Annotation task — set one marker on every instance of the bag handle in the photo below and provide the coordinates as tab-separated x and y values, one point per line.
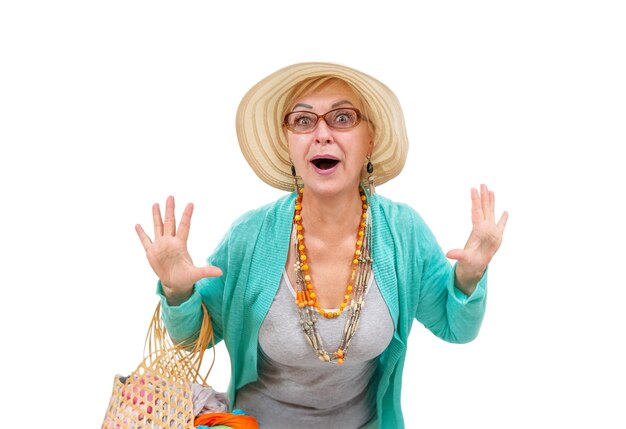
180	361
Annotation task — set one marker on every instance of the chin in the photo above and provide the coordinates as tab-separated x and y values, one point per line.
330	188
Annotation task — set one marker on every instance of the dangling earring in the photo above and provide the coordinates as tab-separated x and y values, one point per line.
296	188
370	178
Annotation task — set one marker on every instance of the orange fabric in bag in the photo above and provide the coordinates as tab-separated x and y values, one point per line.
235	421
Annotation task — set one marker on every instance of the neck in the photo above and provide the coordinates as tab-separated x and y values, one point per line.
330	217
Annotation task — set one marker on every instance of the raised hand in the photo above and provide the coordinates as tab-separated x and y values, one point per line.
168	255
483	242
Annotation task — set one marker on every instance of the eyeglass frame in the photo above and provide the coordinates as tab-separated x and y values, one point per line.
359	117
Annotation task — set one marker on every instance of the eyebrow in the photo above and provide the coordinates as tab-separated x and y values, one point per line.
337	104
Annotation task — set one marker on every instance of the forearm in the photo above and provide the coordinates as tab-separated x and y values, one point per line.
465	311
449	312
182	320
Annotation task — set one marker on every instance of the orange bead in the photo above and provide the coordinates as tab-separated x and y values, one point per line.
303	257
305	267
349	289
340	361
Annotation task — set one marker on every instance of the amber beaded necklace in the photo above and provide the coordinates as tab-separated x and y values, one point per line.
309	308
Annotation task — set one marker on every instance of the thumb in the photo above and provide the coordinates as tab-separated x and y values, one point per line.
456	254
208	271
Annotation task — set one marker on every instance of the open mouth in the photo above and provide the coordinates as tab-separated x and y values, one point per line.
325	163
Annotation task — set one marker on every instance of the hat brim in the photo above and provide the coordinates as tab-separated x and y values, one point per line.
264	144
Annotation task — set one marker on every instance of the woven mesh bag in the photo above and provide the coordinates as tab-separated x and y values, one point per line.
157	394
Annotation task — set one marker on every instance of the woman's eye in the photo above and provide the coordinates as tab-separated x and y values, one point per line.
303	120
343	118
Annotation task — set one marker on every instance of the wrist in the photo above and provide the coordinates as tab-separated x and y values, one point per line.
466	281
176	297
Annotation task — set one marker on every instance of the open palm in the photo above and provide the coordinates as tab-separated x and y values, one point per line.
168	255
483	242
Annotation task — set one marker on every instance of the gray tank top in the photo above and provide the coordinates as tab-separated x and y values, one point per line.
295	389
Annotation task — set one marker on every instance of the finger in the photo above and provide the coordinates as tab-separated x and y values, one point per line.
157	220
502	222
490	214
484	200
185	222
169	228
477	210
143	237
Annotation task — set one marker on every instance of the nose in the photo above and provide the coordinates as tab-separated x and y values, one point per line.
323	133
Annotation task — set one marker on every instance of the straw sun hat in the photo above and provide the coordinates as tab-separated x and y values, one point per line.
264	143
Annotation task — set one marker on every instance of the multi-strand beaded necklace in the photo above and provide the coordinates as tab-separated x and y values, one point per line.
309	308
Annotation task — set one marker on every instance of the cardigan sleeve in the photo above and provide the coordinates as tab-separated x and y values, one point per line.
443	308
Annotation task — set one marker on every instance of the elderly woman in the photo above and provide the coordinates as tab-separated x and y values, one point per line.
288	285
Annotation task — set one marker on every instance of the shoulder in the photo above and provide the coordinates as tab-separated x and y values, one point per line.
396	214
259	224
271	212
402	223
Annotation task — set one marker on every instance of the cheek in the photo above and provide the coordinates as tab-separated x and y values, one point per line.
369	138
364	144
296	149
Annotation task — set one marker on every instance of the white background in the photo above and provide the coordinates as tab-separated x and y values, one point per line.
107	107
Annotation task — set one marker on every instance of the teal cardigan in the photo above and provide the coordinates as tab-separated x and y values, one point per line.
415	278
